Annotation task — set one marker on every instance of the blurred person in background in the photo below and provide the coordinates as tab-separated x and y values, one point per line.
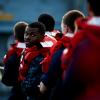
82	79
49	23
12	60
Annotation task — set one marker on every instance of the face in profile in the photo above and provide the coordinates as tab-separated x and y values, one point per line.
64	28
32	36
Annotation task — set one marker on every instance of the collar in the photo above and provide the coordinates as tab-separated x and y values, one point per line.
21	45
69	34
94	21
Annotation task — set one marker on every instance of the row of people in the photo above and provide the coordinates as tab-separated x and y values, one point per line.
29	38
50	69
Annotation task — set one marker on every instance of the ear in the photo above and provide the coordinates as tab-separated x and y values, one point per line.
90	10
76	27
69	30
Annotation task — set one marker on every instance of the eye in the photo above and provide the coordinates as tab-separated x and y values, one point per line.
26	33
32	35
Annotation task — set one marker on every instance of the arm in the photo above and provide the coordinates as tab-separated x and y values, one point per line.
49	79
10	74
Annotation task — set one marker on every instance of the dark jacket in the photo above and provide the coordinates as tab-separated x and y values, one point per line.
32	79
11	65
30	70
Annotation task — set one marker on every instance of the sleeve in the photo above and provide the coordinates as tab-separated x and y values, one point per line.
10	70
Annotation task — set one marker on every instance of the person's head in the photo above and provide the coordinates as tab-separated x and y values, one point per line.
94	6
68	21
48	21
34	34
19	30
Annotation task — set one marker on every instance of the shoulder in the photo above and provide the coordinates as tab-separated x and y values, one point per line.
56	47
34	55
11	52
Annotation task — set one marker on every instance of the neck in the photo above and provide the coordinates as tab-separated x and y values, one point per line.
38	45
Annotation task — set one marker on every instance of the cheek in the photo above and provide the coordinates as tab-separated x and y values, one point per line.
63	28
34	39
40	37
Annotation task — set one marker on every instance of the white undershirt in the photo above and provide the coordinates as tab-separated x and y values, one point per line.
94	21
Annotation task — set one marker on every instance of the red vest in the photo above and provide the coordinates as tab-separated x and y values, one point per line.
11	51
65	41
26	58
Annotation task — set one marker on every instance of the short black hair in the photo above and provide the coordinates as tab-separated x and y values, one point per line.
48	21
70	17
38	25
95	6
19	30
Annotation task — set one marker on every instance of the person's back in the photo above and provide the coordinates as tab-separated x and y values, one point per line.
12	60
50	32
11	63
82	80
48	21
68	20
89	62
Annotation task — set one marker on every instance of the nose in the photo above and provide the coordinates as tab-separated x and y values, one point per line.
26	37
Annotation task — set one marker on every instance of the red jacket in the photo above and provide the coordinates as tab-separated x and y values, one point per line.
11	64
83	63
28	55
65	41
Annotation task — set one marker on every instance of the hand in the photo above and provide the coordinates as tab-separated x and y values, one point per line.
42	87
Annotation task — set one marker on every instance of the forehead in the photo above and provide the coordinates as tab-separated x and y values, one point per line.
30	30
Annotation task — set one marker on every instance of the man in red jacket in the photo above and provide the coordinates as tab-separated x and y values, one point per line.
12	60
82	80
30	69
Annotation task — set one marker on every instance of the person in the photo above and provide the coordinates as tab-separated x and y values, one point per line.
66	38
82	80
12	60
49	23
53	74
67	25
30	69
